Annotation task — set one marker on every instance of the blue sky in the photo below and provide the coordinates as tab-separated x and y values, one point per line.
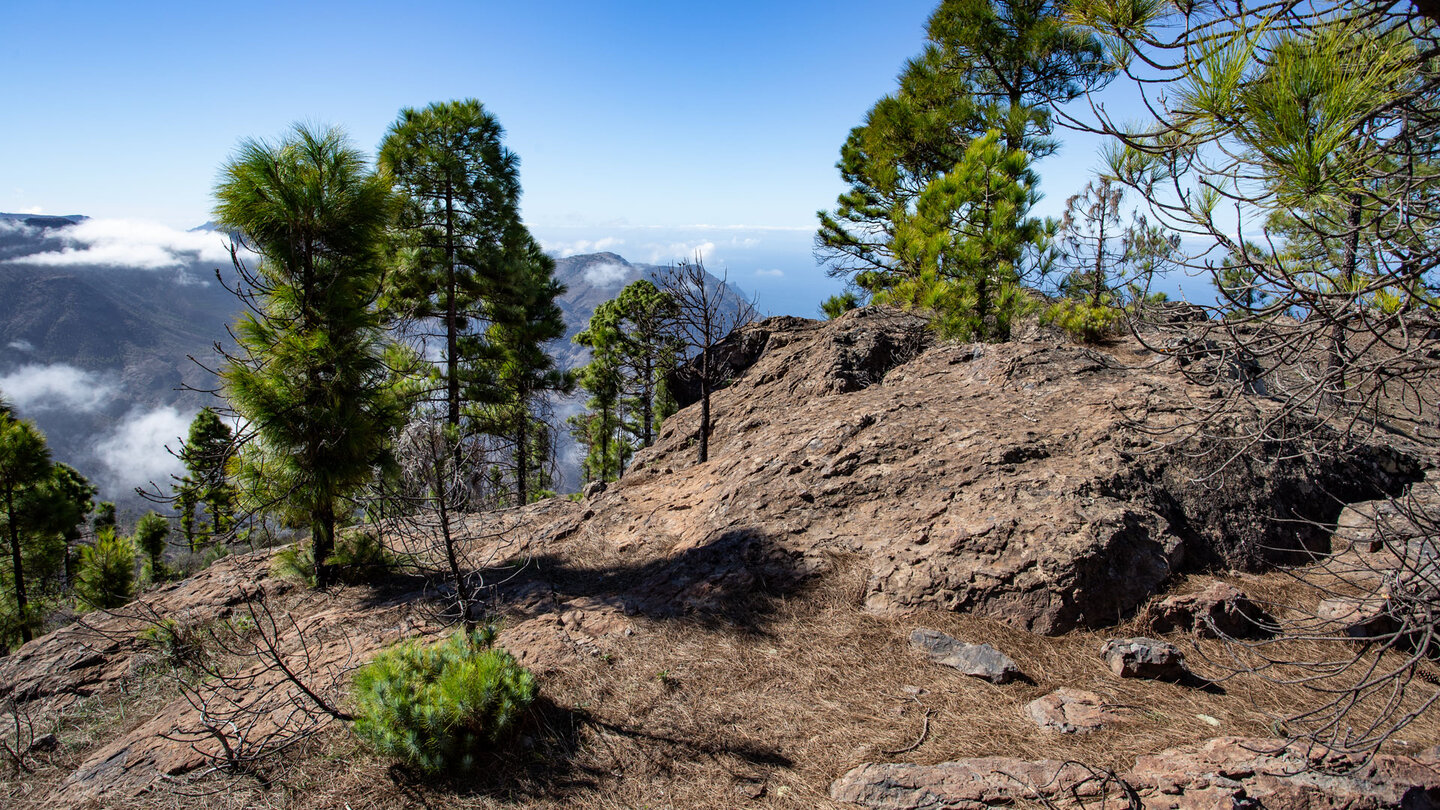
649	128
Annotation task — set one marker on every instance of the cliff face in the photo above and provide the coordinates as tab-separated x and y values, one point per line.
861	475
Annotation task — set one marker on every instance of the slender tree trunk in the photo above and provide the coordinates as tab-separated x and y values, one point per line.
452	338
522	454
647	401
323	544
462	587
1349	265
17	566
704	404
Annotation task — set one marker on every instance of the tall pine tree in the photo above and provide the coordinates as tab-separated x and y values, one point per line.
309	375
460	192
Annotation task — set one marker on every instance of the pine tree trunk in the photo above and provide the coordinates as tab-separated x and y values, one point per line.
522	456
1349	264
704	405
323	544
17	566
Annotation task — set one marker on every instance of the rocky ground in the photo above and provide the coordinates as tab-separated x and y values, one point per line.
801	621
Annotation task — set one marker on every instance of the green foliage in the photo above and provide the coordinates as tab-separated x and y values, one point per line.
837	305
150	534
989	65
440	706
359	556
207	454
460	192
632	348
964	242
179	644
309	374
1084	321
107	571
42	506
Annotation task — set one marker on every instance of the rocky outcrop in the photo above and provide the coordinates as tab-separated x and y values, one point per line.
1226	772
971	784
1236	772
1005	480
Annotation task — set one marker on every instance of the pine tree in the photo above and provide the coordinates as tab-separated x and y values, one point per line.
460	189
150	534
633	347
523	319
965	242
24	466
989	65
43	505
309	376
208	449
107	571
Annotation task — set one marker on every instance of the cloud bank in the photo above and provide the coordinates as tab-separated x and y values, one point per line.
130	243
56	387
134	452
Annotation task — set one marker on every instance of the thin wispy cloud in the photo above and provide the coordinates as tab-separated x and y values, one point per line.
21	345
606	275
130	243
56	387
770	273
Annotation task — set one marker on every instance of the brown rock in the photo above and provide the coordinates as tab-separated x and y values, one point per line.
1357	618
968	784
1233	772
1220	609
1070	711
1144	658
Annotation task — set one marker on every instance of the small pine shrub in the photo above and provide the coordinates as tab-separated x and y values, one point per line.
294	563
439	706
1083	321
177	643
359	556
107	571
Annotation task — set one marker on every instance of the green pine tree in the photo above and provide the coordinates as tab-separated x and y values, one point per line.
460	189
309	376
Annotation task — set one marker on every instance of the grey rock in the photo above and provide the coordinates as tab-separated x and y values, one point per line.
592	489
1145	658
976	660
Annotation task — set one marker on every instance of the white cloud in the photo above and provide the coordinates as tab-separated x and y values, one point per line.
676	251
131	243
32	210
57	387
21	345
770	273
606	275
579	246
134	453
